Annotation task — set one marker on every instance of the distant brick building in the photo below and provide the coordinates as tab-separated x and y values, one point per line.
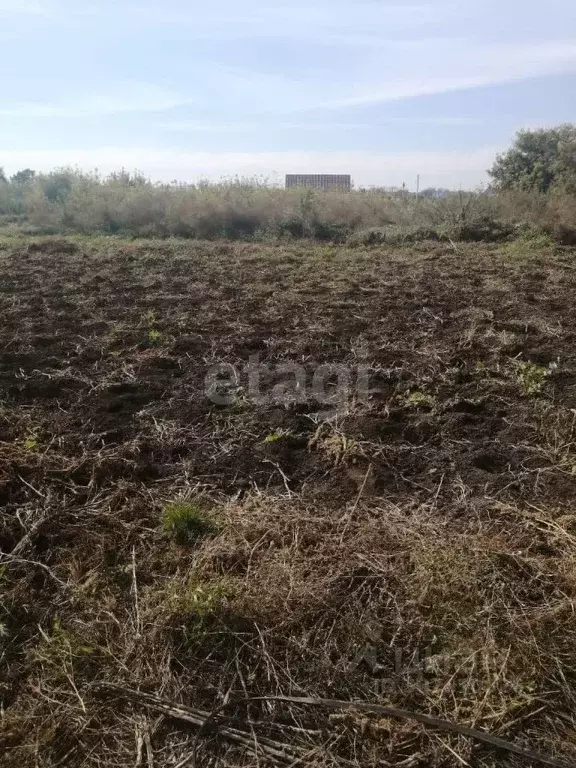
319	181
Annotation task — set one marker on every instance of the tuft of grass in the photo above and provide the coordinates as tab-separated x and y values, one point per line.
276	436
530	241
59	652
149	318
184	596
531	377
419	399
30	441
186	522
204	600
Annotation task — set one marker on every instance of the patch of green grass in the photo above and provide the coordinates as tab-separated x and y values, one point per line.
204	599
531	377
277	435
527	244
149	318
60	649
30	441
63	637
186	599
186	522
419	399
193	608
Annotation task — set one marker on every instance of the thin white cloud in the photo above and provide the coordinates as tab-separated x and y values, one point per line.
410	69
320	21
476	67
233	127
127	97
447	169
317	21
21	7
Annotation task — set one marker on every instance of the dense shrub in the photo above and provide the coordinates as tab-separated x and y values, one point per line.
66	201
564	234
481	229
291	227
330	231
393	235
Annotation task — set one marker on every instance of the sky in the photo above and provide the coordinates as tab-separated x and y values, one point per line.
384	90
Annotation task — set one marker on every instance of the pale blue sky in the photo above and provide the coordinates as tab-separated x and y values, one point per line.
383	90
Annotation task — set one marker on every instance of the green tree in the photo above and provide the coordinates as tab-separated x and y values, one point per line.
23	177
538	160
3	178
57	184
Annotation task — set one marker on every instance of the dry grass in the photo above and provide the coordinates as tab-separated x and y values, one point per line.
417	550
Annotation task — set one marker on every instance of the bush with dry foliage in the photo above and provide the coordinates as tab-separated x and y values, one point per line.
67	201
